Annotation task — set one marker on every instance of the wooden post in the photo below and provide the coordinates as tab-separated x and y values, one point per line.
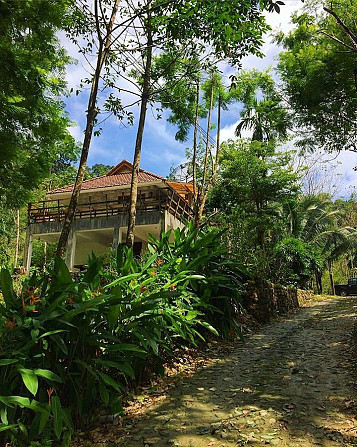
27	251
28	213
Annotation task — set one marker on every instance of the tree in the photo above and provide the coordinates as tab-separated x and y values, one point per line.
189	24
33	124
98	170
104	39
267	118
254	183
316	222
156	24
318	70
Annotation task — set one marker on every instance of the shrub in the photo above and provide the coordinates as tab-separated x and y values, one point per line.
67	345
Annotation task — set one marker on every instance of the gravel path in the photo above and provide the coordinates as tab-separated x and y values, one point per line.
290	384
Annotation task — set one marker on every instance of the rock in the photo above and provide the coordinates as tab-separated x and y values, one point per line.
152	441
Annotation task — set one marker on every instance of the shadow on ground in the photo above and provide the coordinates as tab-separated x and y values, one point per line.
289	384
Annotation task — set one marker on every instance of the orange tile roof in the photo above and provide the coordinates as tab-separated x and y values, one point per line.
110	180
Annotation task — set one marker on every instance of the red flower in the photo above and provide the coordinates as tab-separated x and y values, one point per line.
11	324
50	392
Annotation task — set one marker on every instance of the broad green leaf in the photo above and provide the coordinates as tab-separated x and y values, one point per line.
67	419
23	402
30	379
123	368
122	279
61	273
192	314
3	415
125	347
58	331
209	327
43	421
7	288
113	315
7	361
60	343
57	415
109	381
23	429
47	375
7	427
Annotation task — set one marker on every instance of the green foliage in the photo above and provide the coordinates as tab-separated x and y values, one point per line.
318	69
205	252
264	113
98	170
69	345
33	125
295	262
233	29
254	183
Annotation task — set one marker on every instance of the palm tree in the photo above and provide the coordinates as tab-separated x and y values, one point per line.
313	220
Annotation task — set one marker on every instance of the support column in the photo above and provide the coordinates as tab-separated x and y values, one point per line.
162	222
71	250
116	237
28	252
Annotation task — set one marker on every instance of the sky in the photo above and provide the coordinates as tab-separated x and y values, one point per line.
160	150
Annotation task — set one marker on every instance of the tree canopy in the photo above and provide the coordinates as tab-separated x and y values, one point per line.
33	123
318	70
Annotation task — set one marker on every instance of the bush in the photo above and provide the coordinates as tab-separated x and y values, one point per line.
68	345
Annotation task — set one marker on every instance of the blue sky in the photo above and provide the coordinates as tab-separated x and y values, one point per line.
160	150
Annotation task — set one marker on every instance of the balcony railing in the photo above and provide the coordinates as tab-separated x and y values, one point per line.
55	210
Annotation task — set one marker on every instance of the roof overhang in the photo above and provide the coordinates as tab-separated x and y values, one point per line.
67	194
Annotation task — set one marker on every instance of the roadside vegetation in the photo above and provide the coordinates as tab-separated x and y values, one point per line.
68	343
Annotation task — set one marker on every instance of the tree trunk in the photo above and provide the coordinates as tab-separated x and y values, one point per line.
202	196
218	137
318	282
332	282
17	223
139	135
194	155
92	112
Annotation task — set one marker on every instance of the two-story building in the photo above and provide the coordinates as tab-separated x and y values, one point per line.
101	216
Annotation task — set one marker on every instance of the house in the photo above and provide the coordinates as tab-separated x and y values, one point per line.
101	216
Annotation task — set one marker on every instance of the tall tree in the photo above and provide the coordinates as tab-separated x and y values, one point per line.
254	182
33	124
191	23
318	70
315	221
264	113
155	23
104	38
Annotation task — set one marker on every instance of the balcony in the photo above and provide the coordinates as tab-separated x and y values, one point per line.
89	207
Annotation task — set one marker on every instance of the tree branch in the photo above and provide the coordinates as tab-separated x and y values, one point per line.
346	29
331	36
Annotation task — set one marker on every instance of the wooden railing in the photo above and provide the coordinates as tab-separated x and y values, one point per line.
55	210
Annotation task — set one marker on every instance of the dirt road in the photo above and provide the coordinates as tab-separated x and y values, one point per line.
290	384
